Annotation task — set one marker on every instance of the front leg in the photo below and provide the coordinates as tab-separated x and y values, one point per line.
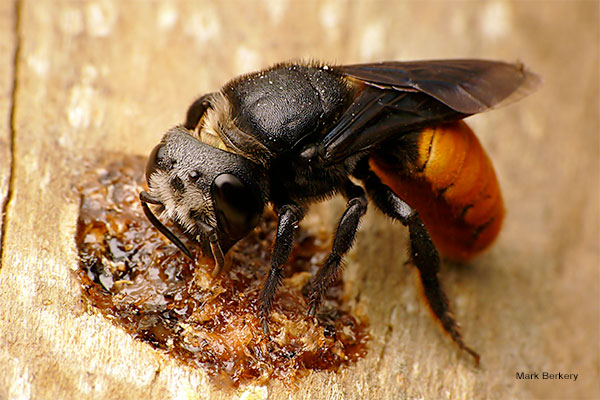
342	242
289	216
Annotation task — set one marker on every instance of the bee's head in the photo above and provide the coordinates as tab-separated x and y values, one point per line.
214	195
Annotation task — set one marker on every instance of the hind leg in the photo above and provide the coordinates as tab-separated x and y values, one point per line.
422	251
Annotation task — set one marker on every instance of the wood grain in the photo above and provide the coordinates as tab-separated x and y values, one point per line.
7	77
112	76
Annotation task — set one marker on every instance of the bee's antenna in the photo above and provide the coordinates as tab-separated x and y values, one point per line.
146	198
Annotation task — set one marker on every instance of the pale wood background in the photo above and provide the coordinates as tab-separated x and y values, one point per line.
82	77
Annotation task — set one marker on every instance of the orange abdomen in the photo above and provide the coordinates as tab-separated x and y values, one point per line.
454	189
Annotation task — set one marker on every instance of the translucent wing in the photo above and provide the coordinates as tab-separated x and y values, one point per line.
395	97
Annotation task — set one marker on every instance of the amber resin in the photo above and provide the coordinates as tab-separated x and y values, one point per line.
143	283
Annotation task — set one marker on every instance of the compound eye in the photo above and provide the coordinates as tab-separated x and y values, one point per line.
237	207
156	160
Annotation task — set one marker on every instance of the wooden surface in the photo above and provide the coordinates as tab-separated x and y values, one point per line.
108	75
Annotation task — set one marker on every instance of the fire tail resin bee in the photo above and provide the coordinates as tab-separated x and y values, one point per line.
299	133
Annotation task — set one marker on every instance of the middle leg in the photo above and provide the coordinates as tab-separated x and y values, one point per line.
342	242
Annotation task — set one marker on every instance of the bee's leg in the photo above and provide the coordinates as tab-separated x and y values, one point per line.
289	216
197	110
423	254
342	242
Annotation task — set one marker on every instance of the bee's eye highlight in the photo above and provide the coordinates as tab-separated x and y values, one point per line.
237	207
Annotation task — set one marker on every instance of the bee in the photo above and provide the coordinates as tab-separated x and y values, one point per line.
390	133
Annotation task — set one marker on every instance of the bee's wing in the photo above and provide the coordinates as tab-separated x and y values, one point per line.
401	96
466	86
